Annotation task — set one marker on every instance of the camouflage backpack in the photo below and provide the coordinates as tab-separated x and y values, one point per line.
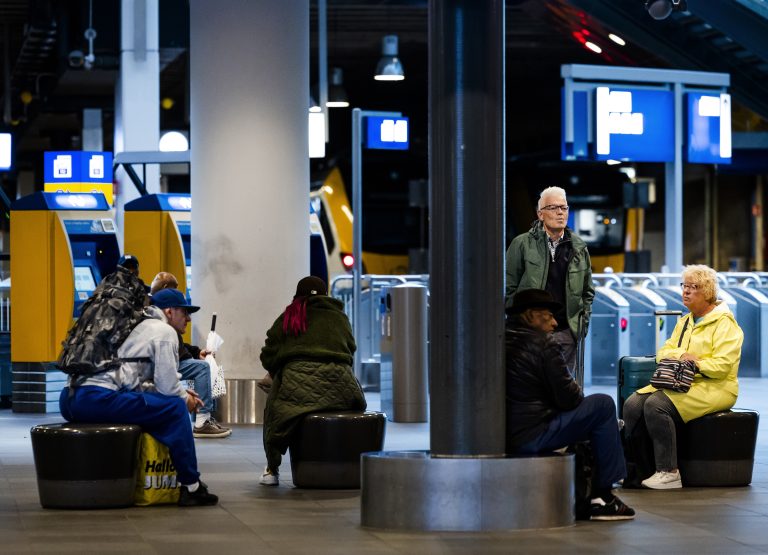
106	320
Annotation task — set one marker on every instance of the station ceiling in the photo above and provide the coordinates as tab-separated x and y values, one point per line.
45	90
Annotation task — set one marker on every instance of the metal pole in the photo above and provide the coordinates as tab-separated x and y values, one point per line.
673	193
357	229
322	60
467	164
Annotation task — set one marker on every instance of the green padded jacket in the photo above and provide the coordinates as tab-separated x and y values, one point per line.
527	265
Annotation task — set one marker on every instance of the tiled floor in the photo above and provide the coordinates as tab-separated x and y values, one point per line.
254	519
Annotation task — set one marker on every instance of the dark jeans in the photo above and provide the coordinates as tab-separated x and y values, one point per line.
661	419
594	420
164	418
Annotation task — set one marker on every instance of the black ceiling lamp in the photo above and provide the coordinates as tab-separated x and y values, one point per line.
660	9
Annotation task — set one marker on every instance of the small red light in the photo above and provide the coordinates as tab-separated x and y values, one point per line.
623	323
347	260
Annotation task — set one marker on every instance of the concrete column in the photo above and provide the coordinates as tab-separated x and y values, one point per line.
137	96
93	135
249	70
466	159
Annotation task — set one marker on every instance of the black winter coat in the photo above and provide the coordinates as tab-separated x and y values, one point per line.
539	385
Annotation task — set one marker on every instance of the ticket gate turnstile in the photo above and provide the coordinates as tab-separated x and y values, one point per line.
609	334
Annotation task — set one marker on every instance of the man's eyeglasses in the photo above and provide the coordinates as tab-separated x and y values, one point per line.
689	286
555	208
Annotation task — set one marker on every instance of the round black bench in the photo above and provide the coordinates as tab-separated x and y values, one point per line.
85	466
718	449
326	449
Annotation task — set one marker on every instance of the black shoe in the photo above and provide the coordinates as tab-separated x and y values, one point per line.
199	498
615	509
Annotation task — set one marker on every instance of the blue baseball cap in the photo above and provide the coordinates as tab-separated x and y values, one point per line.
172	298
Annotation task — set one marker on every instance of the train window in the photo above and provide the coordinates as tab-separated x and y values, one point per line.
330	244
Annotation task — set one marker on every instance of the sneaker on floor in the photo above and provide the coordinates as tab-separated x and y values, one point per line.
612	510
269	478
198	498
210	429
213	421
663	480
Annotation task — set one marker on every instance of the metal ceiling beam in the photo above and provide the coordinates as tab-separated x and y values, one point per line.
670	42
737	21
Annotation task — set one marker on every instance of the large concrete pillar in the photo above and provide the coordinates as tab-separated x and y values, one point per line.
249	69
466	160
137	96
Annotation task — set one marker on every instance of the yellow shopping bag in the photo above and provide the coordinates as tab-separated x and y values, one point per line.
156	482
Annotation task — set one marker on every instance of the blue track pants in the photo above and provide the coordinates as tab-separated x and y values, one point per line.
164	418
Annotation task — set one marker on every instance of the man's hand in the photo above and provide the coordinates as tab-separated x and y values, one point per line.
690	356
204	353
193	401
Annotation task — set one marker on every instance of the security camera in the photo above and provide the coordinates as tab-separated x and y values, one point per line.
76	59
660	9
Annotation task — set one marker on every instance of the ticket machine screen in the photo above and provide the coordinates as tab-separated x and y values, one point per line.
84	282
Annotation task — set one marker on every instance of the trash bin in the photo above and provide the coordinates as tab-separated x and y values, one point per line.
404	360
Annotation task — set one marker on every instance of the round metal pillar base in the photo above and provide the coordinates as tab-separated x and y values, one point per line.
410	490
243	403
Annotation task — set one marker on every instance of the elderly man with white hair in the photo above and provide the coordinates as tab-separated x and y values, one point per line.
552	257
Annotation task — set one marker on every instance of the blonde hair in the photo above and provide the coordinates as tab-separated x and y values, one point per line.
705	278
550	191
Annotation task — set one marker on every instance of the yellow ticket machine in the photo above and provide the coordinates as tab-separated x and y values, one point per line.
62	245
157	232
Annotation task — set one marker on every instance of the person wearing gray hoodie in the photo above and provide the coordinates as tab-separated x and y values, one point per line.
145	390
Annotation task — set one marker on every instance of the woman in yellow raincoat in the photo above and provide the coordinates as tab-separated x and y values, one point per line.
710	337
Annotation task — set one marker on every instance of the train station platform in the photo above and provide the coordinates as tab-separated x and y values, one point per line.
255	519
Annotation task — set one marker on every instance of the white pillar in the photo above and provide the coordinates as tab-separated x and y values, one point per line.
249	70
137	96
93	135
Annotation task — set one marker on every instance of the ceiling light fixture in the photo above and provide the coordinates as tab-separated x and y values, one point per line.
660	9
173	141
593	47
389	67
617	39
337	96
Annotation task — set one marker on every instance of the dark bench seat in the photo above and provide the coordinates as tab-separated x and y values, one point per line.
325	452
85	466
718	449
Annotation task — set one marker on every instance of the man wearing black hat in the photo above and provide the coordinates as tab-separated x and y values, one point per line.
546	409
145	390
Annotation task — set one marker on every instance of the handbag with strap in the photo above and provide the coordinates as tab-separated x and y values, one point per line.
674	374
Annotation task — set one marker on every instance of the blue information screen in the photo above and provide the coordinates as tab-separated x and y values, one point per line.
634	125
78	167
386	133
708	128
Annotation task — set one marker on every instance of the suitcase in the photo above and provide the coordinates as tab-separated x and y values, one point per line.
634	373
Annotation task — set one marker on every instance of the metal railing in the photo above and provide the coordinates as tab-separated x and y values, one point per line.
371	310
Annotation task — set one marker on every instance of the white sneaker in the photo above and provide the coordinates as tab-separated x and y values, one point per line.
663	480
268	478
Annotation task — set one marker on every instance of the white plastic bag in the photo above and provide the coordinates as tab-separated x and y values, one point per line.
212	344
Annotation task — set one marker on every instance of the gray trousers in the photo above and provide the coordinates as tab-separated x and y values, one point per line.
661	419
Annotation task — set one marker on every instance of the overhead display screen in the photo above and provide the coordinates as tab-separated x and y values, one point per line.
634	125
708	134
386	133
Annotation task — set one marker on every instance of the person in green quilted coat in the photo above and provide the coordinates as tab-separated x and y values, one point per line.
308	353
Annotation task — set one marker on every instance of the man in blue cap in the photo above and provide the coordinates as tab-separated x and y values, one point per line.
145	390
194	367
